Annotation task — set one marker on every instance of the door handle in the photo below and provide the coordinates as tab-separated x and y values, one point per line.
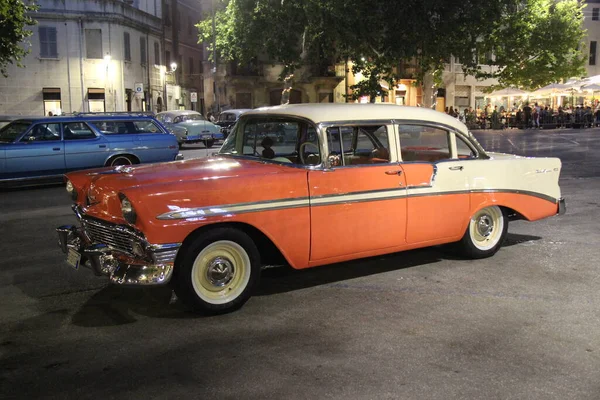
457	168
394	172
102	146
56	148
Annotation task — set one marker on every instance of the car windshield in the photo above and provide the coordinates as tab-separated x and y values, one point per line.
227	117
12	131
274	138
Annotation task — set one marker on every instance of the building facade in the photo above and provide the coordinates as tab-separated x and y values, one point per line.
88	56
144	55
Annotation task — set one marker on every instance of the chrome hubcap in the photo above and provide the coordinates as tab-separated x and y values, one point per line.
220	271
485	225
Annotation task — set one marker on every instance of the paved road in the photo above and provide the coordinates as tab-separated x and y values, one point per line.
414	325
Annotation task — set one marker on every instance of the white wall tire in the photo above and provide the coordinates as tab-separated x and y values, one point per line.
485	233
221	272
218	271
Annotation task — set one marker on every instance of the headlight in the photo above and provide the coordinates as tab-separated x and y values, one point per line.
71	190
127	210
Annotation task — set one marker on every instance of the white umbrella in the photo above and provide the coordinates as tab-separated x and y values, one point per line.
594	87
507	92
552	88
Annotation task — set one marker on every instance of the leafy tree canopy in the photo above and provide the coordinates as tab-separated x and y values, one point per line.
531	42
13	31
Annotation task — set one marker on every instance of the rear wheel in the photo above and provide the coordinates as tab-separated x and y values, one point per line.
209	143
485	234
121	160
218	272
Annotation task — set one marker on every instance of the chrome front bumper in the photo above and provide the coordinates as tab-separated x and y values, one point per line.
562	206
122	268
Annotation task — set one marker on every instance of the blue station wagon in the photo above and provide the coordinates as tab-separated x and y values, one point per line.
48	147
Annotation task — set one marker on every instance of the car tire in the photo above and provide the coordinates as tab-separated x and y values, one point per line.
217	272
209	143
485	233
180	146
121	159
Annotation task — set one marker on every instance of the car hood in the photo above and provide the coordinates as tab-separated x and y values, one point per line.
203	169
191	182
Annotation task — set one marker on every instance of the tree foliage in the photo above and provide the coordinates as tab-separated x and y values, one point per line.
532	42
14	21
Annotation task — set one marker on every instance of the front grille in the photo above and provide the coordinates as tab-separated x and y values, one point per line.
112	235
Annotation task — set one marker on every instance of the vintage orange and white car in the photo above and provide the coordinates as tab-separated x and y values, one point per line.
385	178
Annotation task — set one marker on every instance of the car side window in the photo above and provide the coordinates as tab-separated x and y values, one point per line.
77	131
42	132
359	145
115	127
146	127
423	143
463	150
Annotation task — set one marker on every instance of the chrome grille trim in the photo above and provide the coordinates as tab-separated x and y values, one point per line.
165	257
114	236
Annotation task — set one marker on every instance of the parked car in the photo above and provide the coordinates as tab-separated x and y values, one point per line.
46	147
190	127
228	118
360	180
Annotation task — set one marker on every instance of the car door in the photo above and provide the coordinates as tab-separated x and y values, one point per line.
359	205
151	144
437	183
84	148
39	152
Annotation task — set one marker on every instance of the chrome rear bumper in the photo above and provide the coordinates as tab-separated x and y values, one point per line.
156	268
562	206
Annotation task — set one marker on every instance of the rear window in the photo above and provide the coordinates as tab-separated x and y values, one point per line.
124	127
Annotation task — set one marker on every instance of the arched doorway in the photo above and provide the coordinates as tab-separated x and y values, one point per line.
159	104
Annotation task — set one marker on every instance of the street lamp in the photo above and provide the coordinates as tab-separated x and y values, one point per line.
173	67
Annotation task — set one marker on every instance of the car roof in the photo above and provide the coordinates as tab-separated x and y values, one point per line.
179	112
237	111
76	118
337	112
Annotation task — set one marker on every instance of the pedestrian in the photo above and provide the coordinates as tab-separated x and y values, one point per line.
50	114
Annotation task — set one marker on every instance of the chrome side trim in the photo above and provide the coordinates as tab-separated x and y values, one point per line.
514	191
331	199
238	208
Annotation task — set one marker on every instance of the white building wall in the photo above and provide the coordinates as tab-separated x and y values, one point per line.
71	70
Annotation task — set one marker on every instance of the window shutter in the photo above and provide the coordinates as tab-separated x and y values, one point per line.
127	46
143	50
48	42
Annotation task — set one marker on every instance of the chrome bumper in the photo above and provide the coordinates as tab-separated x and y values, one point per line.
179	157
121	268
562	206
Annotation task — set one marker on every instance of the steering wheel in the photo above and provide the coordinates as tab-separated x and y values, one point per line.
301	150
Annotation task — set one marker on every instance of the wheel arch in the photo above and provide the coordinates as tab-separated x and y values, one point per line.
269	252
135	158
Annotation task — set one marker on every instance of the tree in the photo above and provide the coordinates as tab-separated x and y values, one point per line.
532	42
14	20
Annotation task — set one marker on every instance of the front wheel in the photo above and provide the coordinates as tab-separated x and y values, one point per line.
485	234
218	271
209	143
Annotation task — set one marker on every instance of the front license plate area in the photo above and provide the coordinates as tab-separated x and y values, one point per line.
73	258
